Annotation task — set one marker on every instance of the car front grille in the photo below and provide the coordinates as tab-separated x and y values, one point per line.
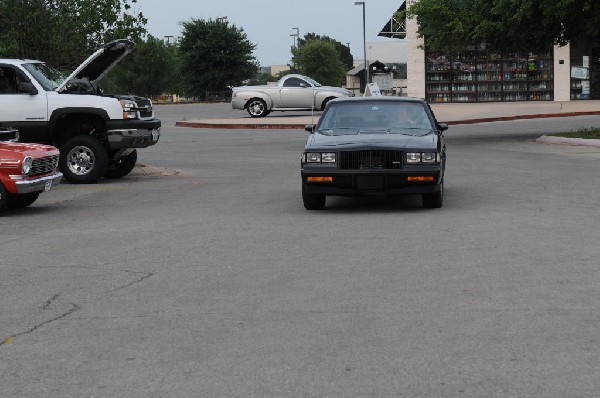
43	165
370	159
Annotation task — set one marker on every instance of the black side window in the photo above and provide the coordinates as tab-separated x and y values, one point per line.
8	82
294	82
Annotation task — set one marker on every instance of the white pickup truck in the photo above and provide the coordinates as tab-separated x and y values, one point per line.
291	93
97	134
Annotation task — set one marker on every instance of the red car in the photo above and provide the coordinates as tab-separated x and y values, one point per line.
26	170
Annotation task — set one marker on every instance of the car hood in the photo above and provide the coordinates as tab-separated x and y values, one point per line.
99	63
28	149
398	141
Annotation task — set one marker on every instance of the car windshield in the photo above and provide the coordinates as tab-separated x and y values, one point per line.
313	82
372	117
48	77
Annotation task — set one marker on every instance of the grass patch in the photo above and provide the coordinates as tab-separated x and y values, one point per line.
591	133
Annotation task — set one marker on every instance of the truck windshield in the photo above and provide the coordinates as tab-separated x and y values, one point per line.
48	77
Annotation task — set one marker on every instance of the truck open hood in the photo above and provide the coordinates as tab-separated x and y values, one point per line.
99	63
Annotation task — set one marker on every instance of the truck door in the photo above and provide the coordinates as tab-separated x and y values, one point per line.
27	112
296	93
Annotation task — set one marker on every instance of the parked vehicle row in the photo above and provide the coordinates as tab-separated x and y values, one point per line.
98	135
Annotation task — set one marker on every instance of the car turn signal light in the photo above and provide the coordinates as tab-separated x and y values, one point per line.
421	178
319	179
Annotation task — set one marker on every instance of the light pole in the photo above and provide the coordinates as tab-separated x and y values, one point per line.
362	3
296	35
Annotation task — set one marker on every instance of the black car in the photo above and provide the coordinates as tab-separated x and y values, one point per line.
374	145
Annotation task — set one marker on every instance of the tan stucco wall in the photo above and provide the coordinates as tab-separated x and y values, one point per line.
562	73
415	59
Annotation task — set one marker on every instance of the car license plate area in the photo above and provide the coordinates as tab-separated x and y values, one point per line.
48	185
365	183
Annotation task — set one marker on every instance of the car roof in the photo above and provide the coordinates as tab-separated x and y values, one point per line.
380	98
18	61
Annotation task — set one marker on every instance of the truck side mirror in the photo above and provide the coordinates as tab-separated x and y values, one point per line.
26	88
442	126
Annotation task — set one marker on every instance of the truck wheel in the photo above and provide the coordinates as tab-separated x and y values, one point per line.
257	108
20	201
121	167
83	159
3	197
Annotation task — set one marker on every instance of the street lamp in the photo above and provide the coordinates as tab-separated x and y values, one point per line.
362	3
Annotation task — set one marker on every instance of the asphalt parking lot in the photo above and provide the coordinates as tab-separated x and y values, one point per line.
201	274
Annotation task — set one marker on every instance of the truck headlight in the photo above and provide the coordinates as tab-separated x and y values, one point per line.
128	109
428	157
413	157
26	166
313	157
328	157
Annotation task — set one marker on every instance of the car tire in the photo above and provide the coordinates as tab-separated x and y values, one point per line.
4	197
83	159
257	108
21	201
121	167
312	201
433	200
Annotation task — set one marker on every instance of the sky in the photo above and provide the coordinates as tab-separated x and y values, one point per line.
268	23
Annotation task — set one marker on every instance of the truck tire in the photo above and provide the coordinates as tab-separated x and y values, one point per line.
257	108
3	197
83	159
20	201
121	167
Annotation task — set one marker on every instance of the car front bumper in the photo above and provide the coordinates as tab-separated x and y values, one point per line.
367	182
133	133
38	184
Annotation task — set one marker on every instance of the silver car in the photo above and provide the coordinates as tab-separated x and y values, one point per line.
291	93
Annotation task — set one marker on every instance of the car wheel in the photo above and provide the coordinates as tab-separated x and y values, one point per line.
4	195
20	201
312	201
257	108
83	159
121	167
434	200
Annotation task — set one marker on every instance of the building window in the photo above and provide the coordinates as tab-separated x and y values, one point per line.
479	76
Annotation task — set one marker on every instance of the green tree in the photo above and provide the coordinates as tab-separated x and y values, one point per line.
343	50
64	32
214	55
320	60
150	70
505	25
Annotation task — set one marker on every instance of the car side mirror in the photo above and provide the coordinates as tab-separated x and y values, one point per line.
26	88
442	126
310	128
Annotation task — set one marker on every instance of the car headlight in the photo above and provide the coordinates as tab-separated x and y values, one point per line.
421	157
413	157
319	157
128	109
26	166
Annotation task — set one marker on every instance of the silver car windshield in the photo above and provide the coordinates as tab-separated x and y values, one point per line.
313	82
370	117
49	78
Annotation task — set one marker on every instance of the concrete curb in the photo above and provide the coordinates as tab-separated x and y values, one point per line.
242	124
545	139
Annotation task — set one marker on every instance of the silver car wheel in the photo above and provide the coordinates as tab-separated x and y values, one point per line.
257	108
80	160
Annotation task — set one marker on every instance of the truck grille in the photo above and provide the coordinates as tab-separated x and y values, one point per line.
43	165
370	159
144	107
